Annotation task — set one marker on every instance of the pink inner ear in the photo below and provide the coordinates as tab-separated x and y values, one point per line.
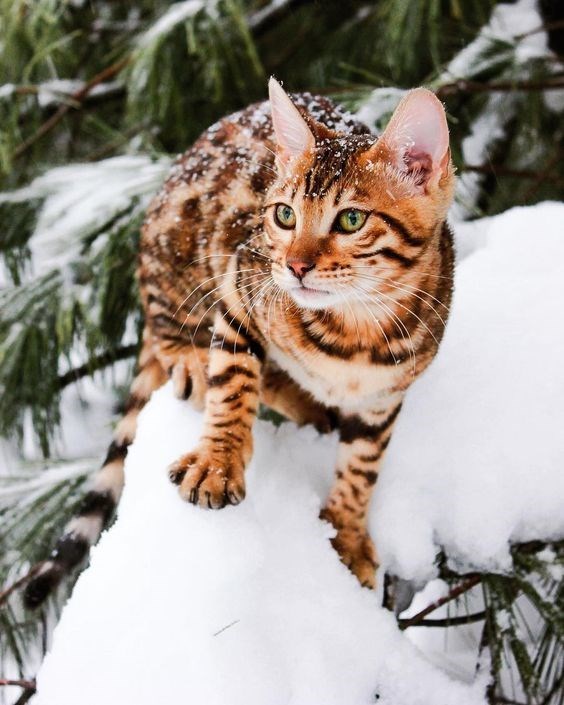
418	133
293	135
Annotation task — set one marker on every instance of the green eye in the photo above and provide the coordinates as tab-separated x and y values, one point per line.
285	216
351	220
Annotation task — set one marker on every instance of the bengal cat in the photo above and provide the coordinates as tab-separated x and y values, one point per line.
291	258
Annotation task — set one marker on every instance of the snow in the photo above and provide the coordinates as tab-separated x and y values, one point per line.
176	13
80	198
508	23
377	108
248	605
57	90
251	604
481	433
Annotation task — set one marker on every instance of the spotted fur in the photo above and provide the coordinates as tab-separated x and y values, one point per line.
228	321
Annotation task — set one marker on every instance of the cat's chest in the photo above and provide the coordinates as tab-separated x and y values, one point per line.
346	383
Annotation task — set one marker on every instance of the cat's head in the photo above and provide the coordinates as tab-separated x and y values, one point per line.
347	211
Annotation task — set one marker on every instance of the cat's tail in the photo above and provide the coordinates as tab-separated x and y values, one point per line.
98	505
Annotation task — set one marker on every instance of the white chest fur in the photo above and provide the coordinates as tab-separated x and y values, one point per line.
352	384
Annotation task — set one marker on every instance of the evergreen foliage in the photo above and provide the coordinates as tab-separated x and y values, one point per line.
96	97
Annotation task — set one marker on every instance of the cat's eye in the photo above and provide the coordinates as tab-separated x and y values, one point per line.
350	220
285	216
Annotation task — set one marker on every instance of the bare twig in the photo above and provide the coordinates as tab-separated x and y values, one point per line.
532	190
232	624
22	683
464	86
557	24
20	582
74	100
501	170
447	621
471	581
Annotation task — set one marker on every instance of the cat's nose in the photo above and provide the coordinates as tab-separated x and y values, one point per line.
300	268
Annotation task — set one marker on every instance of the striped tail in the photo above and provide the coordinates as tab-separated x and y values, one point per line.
98	505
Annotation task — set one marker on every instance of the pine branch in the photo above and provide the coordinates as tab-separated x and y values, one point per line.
74	100
464	86
25	697
98	362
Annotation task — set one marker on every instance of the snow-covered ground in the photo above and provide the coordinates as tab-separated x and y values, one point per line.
251	605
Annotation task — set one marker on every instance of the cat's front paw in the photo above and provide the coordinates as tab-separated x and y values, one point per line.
211	479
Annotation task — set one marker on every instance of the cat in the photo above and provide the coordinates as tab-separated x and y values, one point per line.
291	258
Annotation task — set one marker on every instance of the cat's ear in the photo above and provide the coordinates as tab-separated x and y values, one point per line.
293	136
416	137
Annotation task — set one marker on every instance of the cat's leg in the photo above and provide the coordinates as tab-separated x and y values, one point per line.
186	366
280	393
364	437
181	341
213	474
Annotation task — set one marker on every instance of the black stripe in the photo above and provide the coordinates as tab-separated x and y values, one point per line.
115	452
332	349
227	376
187	391
307	186
101	503
185	336
154	299
353	427
401	230
355	491
373	253
375	456
250	347
70	550
226	424
134	402
388	253
41	586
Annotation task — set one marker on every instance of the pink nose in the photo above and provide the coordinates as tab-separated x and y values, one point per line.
299	268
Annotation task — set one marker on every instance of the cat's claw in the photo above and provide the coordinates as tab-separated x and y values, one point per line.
209	480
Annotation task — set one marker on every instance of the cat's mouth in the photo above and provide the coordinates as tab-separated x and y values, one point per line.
309	297
309	291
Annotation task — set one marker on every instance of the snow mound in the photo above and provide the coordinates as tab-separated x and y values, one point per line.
250	605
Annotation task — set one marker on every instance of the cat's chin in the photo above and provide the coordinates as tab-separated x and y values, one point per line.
314	298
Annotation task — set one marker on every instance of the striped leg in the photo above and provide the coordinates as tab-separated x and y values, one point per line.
364	438
213	474
98	505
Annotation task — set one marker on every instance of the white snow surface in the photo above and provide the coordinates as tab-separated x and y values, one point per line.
250	605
